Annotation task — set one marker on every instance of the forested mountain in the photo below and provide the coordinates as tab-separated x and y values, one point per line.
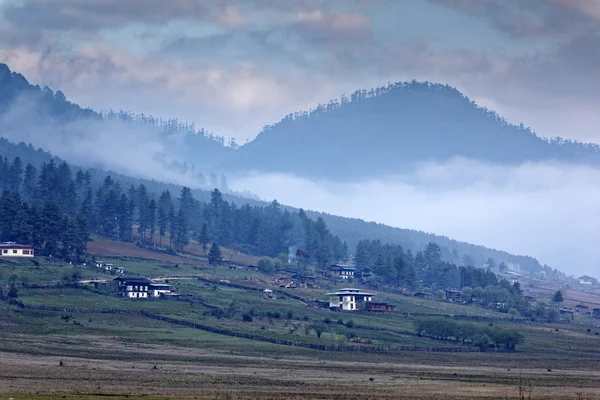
387	130
29	110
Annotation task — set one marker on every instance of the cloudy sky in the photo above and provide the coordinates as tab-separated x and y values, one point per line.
233	66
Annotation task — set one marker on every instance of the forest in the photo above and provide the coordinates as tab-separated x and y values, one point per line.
56	208
350	230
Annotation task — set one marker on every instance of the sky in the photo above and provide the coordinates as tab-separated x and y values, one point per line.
233	66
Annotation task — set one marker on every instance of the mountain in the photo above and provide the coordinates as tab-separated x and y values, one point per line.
26	111
388	130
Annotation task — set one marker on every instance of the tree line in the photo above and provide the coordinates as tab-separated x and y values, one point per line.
56	207
483	337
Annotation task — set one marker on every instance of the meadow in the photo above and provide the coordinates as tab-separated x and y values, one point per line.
77	341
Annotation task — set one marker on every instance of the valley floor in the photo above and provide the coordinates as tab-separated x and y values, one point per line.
100	367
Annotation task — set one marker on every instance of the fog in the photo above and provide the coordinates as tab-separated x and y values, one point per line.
548	211
120	147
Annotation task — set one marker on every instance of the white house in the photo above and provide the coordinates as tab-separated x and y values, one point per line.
158	289
12	249
134	287
342	271
349	299
137	287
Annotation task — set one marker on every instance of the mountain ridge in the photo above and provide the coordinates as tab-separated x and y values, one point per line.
391	129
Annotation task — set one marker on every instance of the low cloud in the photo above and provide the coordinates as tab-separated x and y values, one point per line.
548	211
123	148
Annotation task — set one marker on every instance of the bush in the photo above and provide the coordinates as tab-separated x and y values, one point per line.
247	317
349	324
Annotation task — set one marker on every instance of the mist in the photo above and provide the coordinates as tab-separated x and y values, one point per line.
548	211
124	148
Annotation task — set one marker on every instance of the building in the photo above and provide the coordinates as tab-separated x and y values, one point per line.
586	281
99	264
379	307
108	267
365	273
349	299
134	287
159	289
453	295
342	271
12	249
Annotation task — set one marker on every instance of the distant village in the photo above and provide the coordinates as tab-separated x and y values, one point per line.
350	299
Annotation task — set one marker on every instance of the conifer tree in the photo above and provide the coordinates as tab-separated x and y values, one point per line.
214	255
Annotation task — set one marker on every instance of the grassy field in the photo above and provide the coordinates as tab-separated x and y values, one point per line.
89	344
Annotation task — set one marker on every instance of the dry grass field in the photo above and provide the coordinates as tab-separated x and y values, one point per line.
100	368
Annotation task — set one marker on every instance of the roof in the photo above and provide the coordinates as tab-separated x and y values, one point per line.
344	267
134	279
14	246
160	285
347	291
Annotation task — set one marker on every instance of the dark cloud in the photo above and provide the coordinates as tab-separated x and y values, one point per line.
529	18
94	15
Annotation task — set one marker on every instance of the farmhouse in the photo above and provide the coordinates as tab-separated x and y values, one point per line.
453	295
137	287
342	271
12	249
349	299
587	281
133	287
159	289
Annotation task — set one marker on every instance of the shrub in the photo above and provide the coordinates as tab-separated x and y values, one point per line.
349	323
247	317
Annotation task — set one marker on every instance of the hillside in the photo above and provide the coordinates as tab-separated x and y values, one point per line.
388	130
350	230
28	111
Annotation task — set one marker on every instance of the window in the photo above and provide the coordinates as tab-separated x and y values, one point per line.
26	252
14	251
5	251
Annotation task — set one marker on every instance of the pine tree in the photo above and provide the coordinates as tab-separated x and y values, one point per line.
182	234
214	255
204	238
29	182
15	175
151	223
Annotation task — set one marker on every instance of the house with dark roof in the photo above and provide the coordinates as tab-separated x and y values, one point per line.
342	271
136	287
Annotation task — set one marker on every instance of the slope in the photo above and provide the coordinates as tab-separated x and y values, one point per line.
388	130
348	229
